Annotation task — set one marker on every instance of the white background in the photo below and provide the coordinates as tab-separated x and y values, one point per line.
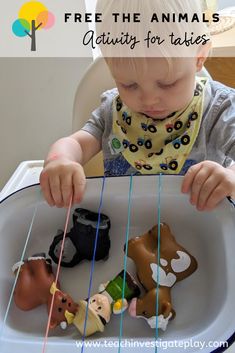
61	40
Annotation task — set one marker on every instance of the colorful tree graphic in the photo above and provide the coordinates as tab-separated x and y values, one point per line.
33	16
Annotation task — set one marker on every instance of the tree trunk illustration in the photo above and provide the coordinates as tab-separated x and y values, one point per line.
33	36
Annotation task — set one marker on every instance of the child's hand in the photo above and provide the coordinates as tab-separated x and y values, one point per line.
60	179
208	183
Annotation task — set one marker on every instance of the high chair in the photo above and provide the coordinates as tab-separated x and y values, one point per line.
96	80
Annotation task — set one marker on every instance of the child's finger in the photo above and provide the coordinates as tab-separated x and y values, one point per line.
206	191
56	191
215	197
198	185
66	189
79	184
189	178
44	183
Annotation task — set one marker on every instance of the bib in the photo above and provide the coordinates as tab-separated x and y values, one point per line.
155	146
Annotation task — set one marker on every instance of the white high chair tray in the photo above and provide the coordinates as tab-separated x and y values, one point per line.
204	302
27	173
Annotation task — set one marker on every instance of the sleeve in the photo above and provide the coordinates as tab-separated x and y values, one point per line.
222	125
100	117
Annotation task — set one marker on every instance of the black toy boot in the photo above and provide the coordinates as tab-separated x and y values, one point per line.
80	241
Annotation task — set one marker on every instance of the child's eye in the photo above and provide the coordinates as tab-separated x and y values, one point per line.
169	85
133	86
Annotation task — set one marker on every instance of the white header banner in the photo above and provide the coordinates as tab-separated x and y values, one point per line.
123	28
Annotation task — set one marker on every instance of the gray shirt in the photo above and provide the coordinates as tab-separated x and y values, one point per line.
215	141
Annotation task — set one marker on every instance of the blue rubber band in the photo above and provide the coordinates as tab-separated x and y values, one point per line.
125	259
93	261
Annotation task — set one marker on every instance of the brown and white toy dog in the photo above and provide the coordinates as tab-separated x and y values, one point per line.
175	264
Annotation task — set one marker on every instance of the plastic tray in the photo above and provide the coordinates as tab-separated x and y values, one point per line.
27	173
204	302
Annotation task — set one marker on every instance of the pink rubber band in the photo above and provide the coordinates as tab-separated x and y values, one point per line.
57	275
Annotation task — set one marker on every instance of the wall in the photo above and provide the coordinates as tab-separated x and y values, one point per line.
36	101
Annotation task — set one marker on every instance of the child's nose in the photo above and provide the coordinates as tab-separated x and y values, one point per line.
99	301
150	99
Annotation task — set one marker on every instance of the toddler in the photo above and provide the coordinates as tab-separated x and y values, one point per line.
161	117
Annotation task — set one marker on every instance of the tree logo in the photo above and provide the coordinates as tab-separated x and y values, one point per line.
33	16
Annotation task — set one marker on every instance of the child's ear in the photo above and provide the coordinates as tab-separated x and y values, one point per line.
202	55
200	63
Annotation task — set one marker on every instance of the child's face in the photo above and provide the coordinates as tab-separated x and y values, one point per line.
156	91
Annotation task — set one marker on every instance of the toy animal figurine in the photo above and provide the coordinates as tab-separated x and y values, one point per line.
80	241
35	286
103	304
175	264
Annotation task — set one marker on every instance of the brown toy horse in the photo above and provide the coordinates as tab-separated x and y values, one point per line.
175	264
35	286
